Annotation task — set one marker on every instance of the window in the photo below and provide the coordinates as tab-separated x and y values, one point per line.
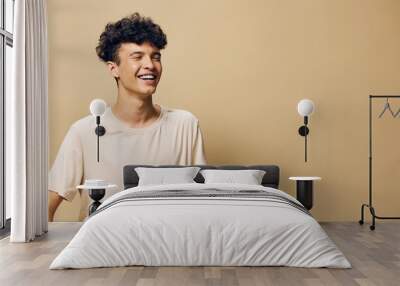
6	62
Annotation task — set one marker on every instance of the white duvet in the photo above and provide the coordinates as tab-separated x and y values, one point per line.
200	231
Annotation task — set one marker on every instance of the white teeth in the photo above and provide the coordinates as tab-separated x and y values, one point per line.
147	76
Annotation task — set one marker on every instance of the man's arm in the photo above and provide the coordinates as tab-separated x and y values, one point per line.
54	202
66	172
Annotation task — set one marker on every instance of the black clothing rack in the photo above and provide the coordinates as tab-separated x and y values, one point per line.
370	205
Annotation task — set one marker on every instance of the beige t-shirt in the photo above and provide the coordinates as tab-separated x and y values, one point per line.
174	139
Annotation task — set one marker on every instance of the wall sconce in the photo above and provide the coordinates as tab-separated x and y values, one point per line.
97	108
305	107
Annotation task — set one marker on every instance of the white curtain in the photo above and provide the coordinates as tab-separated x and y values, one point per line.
26	123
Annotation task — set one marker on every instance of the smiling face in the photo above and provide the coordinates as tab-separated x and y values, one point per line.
139	69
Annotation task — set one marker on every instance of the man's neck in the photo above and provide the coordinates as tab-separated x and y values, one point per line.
135	110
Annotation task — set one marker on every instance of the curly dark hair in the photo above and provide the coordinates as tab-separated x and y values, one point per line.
131	29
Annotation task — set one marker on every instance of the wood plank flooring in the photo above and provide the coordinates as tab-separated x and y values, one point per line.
375	257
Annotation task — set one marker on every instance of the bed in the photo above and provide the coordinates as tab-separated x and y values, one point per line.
201	224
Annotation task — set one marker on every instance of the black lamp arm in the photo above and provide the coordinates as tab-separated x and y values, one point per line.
100	131
303	131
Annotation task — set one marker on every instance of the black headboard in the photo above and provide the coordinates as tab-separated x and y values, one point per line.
270	179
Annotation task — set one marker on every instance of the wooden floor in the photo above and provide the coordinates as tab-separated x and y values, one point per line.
375	257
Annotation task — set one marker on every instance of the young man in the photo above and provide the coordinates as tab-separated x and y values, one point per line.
137	130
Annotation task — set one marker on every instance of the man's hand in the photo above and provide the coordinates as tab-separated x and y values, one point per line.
54	201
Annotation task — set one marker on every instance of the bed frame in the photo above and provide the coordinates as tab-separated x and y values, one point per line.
270	179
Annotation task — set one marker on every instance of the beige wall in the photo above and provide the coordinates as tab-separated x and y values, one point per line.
241	67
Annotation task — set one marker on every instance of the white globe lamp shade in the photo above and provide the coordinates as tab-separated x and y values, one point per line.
97	107
305	107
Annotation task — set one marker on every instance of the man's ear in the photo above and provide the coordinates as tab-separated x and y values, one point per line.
113	68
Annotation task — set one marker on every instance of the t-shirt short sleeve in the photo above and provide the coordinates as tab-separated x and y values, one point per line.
198	155
67	170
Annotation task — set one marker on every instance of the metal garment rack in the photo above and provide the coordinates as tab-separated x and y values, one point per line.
370	205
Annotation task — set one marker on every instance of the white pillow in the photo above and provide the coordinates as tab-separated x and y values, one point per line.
162	176
249	177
